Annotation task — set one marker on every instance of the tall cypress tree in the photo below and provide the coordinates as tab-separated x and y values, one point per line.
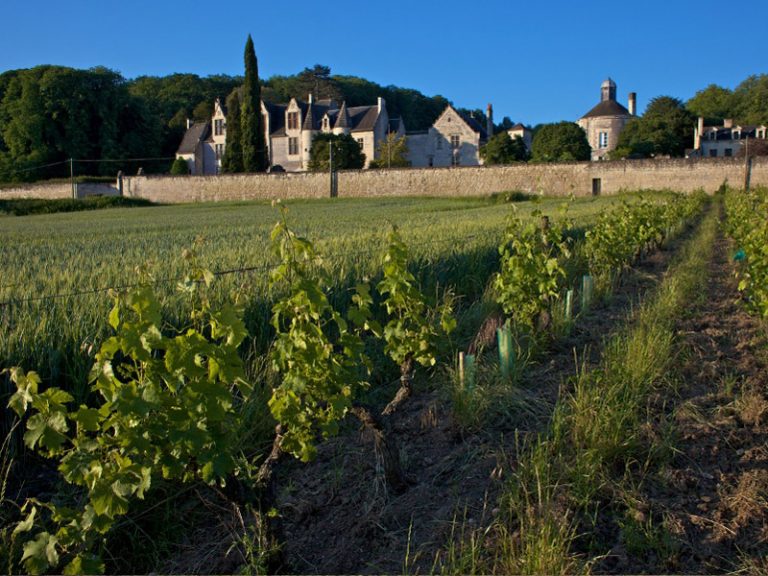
252	133
233	152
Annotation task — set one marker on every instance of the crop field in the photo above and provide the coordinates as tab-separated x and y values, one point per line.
485	385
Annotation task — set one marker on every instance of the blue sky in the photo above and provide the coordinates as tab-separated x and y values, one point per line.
534	61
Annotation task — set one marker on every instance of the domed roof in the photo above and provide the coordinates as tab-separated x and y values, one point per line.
608	108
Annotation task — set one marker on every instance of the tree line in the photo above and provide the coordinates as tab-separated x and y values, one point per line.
49	114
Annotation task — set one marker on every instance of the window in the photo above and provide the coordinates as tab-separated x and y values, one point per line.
219	151
293	120
455	141
293	146
735	135
361	142
218	127
713	153
603	139
728	152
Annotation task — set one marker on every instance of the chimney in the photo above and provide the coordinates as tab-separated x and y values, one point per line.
381	104
310	98
633	103
189	123
698	133
489	126
728	123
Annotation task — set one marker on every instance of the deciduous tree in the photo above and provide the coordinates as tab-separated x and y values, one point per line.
501	149
347	154
392	152
560	142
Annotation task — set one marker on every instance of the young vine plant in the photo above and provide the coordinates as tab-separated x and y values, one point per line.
168	406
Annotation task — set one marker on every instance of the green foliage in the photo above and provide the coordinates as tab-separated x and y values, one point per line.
417	111
501	149
233	151
621	234
752	100
392	152
29	206
170	100
561	142
666	128
50	113
168	406
713	103
252	143
317	352
533	258
413	328
347	154
180	167
747	224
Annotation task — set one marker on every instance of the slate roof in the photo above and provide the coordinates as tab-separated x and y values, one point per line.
363	118
343	120
475	125
607	108
195	134
276	118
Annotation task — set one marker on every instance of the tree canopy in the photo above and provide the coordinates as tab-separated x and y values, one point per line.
665	129
746	104
347	154
392	152
560	142
501	149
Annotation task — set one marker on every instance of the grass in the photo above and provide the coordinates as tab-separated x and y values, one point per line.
29	206
77	255
584	465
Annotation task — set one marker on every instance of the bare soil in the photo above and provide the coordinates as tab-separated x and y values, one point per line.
712	498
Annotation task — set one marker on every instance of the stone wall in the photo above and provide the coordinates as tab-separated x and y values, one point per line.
59	190
553	179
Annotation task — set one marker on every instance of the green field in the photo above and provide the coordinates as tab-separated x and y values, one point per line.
57	267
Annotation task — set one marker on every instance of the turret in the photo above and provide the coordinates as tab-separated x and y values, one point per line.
608	90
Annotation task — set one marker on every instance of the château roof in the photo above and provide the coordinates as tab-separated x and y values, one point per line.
607	108
195	134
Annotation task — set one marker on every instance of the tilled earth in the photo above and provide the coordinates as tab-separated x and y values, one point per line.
712	498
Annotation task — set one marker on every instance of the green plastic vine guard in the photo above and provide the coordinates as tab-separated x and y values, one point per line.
587	287
467	371
506	352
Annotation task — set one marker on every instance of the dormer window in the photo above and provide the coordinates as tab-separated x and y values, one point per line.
325	123
735	135
293	120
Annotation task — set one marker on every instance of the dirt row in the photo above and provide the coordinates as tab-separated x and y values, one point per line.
707	508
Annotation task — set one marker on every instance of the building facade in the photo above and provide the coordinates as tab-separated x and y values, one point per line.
453	140
604	122
289	130
726	140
